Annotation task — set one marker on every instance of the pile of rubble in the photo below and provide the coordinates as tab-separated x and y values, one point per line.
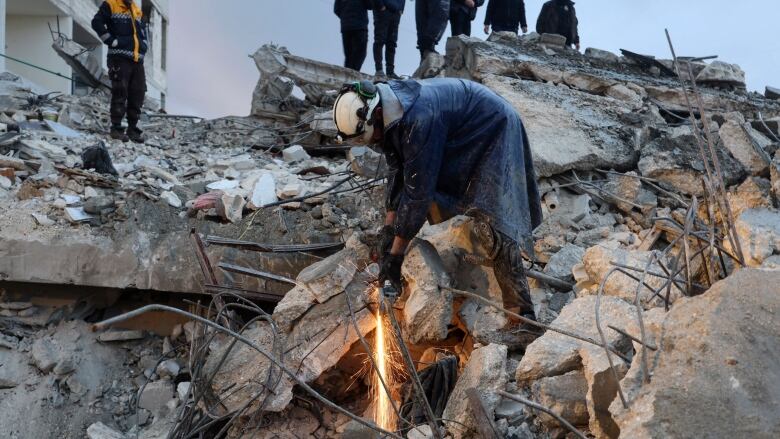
654	282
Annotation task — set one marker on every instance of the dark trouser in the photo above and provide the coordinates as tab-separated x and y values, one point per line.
507	266
507	28
128	89
460	22
355	47
431	17
386	36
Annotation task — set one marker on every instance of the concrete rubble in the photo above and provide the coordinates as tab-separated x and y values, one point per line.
620	171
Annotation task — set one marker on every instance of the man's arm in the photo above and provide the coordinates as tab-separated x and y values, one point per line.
100	24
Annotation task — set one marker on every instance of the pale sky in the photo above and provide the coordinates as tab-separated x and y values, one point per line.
210	73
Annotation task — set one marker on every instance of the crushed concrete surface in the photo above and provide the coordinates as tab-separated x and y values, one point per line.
614	153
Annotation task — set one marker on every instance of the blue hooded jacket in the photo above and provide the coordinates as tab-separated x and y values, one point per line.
457	146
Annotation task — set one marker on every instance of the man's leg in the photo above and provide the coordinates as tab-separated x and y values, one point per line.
438	13
457	22
381	28
135	101
421	18
346	41
507	267
392	42
119	73
361	48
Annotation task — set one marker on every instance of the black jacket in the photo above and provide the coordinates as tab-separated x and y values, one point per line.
352	13
559	17
505	15
391	5
460	6
121	28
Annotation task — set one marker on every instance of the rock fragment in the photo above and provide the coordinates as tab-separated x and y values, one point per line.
155	395
759	235
295	153
100	430
428	309
485	372
564	395
731	386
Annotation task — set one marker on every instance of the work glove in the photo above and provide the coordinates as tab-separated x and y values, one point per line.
386	237
390	270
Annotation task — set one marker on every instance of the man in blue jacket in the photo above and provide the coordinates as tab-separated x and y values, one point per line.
387	18
354	30
506	16
118	24
453	147
462	13
431	17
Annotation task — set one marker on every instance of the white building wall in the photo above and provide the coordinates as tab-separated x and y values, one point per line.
28	39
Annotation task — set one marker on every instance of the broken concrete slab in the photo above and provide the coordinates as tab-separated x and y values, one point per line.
295	153
772	93
561	263
569	130
721	73
263	192
427	311
171	198
120	336
676	163
733	328
485	372
753	193
759	235
330	276
598	262
601	55
564	395
741	140
553	41
231	207
100	430
155	395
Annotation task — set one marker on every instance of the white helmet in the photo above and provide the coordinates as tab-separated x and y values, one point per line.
353	109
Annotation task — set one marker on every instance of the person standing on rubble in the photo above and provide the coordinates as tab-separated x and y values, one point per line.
431	17
453	147
560	17
462	13
353	15
387	18
119	25
506	16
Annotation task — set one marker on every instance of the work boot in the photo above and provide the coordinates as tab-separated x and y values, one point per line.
117	133
380	73
393	76
136	135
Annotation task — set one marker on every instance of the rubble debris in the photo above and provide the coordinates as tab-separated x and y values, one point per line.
99	430
721	73
295	153
734	324
677	165
486	373
120	336
742	141
155	395
759	235
602	55
772	93
428	308
366	162
564	395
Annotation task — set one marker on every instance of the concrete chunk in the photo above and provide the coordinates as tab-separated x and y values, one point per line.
772	93
485	372
565	395
759	235
100	430
155	395
428	309
295	153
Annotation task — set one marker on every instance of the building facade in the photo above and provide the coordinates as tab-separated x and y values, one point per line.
28	29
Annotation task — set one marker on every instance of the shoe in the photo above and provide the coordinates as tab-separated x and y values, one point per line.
379	73
393	76
136	135
117	133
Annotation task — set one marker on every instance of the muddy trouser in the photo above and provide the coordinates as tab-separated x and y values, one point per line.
355	48
460	22
386	37
508	267
431	17
128	89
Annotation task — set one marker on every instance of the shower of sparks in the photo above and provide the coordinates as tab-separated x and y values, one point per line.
384	416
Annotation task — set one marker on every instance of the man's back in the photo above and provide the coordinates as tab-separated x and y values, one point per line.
559	17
